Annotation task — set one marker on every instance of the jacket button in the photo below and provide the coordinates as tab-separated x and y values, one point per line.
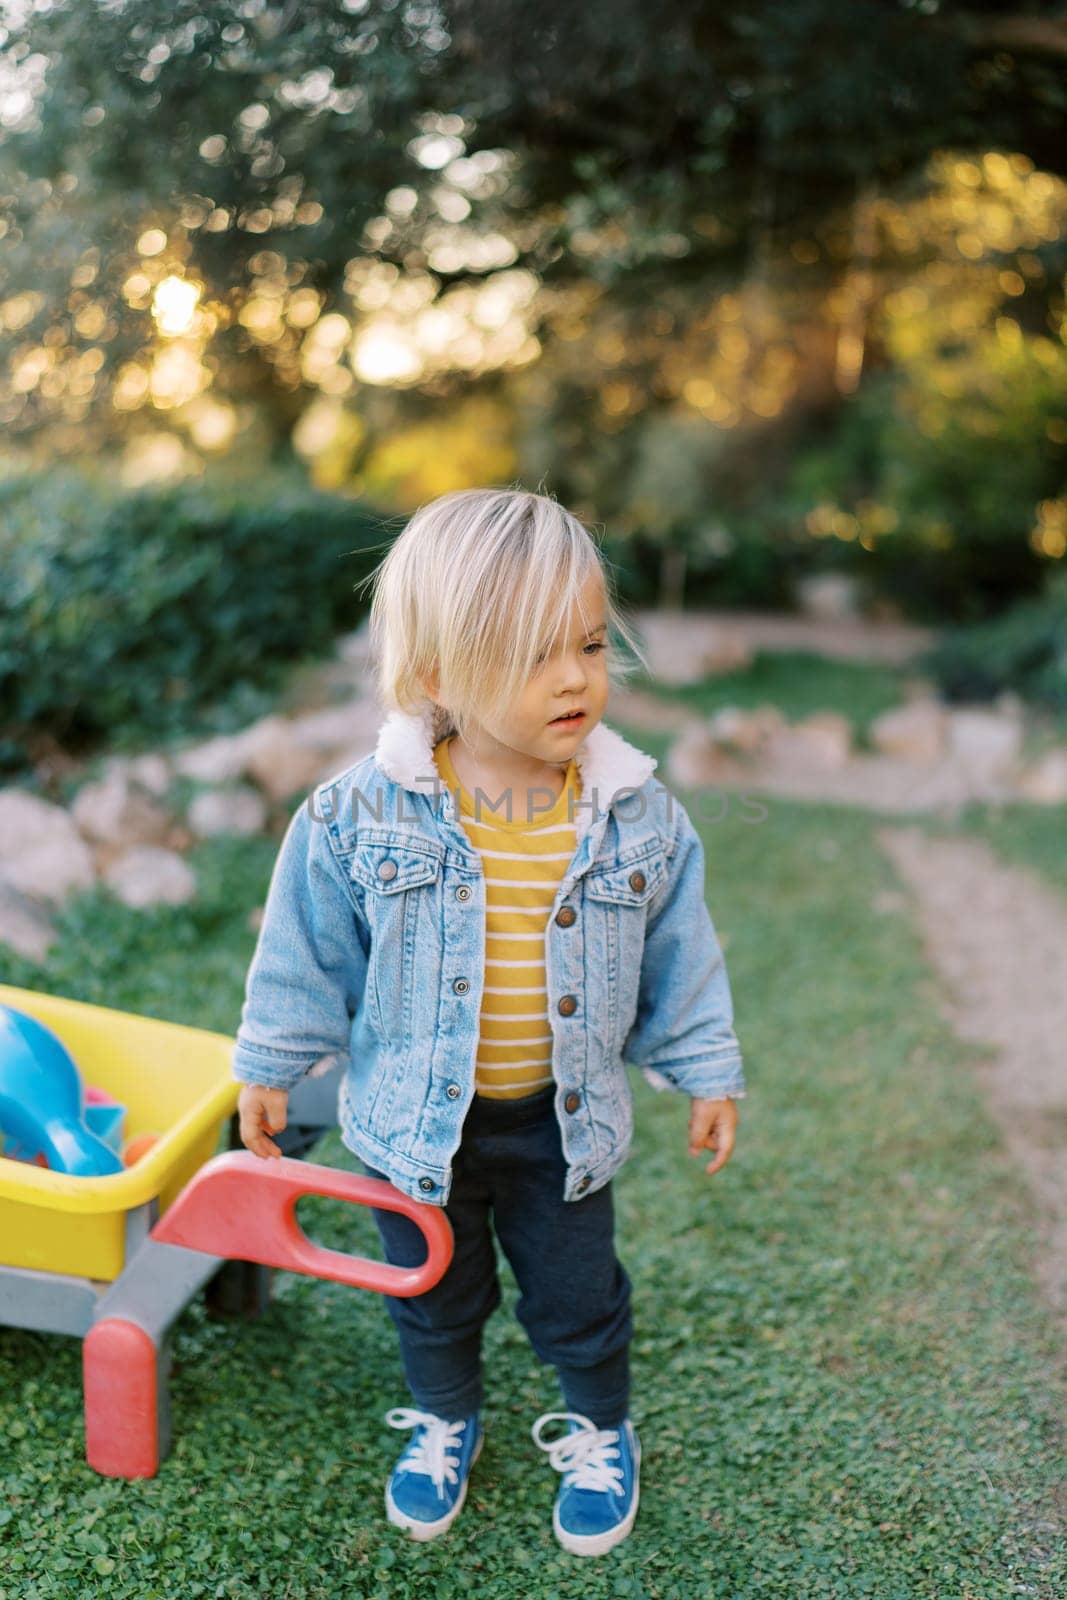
572	1102
463	892
568	1005
428	1183
637	881
566	915
453	1091
583	1186
387	869
461	985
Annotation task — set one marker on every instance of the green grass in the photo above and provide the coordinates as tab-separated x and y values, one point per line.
845	1381
1029	835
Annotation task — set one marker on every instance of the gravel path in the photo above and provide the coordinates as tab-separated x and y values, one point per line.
996	937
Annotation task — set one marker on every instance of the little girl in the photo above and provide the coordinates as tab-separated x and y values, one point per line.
488	918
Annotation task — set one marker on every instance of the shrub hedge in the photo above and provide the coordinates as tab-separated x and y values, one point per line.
131	617
1025	649
141	610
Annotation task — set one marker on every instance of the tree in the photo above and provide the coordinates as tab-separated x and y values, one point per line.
284	160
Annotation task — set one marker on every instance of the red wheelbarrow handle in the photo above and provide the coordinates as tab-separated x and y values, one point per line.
243	1207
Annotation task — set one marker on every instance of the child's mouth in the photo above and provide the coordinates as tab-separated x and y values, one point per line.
569	718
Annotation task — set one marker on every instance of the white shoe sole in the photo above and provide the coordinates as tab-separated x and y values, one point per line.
431	1530
597	1544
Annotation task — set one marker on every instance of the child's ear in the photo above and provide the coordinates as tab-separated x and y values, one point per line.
430	687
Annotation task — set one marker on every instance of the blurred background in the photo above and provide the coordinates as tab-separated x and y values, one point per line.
772	295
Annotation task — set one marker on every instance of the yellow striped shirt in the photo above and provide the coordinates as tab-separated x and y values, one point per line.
523	862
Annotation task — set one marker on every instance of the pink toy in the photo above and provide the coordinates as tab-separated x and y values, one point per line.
242	1207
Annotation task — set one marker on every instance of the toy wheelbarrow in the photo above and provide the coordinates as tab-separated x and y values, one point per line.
114	1260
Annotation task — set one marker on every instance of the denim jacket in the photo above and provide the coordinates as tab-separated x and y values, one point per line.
372	947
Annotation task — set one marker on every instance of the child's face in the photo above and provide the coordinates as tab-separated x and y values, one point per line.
573	675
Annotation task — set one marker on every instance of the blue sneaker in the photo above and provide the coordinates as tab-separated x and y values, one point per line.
597	1500
428	1485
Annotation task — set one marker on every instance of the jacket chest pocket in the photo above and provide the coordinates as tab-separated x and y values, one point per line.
618	897
399	895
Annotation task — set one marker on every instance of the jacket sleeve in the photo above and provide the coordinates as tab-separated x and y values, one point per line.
310	964
683	1033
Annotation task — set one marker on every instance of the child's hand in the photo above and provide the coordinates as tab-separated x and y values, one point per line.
712	1125
261	1111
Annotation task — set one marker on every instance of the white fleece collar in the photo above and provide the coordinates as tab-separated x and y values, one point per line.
607	763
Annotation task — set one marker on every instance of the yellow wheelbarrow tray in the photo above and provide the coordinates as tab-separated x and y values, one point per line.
115	1259
174	1080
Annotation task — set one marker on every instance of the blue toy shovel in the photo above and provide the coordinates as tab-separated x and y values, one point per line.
42	1100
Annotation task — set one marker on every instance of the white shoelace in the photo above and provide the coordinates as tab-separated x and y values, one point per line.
430	1454
585	1454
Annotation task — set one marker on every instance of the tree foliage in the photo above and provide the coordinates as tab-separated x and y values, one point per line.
279	144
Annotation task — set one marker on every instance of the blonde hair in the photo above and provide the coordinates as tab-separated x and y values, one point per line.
478	583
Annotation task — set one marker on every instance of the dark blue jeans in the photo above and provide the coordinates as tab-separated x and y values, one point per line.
574	1300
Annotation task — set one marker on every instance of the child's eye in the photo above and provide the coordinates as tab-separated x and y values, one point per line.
594	645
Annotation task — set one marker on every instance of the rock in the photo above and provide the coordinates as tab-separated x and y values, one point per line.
218	760
694	758
828	595
115	810
1045	780
42	854
104	854
984	741
726	651
239	810
338	727
914	732
280	765
830	734
684	647
642	708
1009	704
750	731
150	771
915	687
728	725
179	837
24	925
337	762
839	638
287	755
823	739
880	608
148	875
